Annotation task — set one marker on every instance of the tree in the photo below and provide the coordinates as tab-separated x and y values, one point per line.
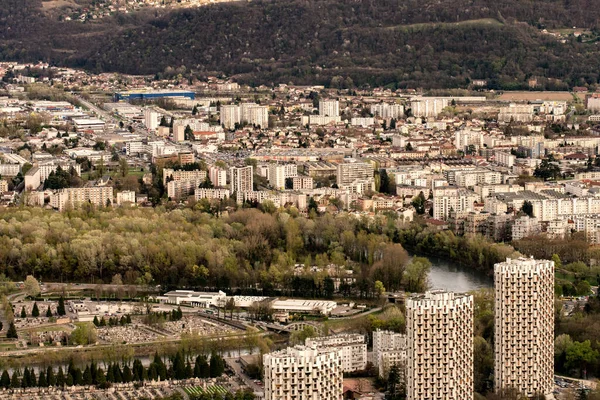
416	274
85	333
217	365
50	378
23	312
12	331
188	133
580	355
483	365
419	203
379	288
31	286
557	261
5	380
35	311
547	169
527	208
48	312
60	310
195	110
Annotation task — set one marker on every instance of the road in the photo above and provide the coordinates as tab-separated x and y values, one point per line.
236	367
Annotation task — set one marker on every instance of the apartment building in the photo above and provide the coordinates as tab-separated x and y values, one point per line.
277	176
448	198
352	349
389	349
477	177
217	176
75	197
257	116
180	175
201	193
385	110
126	196
302	182
151	119
525	226
183	188
241	179
516	112
329	108
303	373
230	116
3	186
439	326
428	107
349	172
524	326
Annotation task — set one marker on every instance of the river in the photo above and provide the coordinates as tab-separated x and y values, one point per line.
447	275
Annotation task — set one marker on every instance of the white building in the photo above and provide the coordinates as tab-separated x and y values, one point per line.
329	108
217	176
525	226
230	116
524	326
241	179
352	349
439	326
151	119
428	106
447	198
126	196
193	299
201	193
349	172
389	349
75	197
277	176
303	373
386	111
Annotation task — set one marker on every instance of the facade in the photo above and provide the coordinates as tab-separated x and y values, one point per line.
439	326
126	196
183	188
349	172
446	199
329	108
303	373
302	182
389	349
193	299
151	119
74	197
218	176
230	116
202	193
352	348
241	179
386	111
524	326
180	175
277	176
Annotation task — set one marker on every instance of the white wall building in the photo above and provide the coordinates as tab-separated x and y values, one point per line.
524	326
439	326
352	348
241	179
329	108
303	373
389	349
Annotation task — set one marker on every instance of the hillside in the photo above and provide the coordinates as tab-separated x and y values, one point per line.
402	43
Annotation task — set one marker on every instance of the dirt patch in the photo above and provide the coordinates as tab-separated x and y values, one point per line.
54	4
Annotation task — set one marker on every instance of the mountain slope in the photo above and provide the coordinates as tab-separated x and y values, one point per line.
405	43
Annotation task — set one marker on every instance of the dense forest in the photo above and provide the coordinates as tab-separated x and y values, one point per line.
401	43
246	249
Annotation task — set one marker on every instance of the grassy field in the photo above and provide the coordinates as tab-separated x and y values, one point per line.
429	25
198	390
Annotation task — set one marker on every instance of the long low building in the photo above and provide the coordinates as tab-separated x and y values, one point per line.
214	299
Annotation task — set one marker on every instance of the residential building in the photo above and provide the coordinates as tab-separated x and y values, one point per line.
151	119
439	326
201	193
126	196
303	373
525	226
74	197
3	186
181	175
349	172
276	175
386	111
449	198
329	108
241	179
183	188
352	349
302	182
230	116
524	326
217	176
389	349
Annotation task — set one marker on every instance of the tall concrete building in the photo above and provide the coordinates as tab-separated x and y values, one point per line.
151	119
524	326
242	179
230	115
277	176
439	326
303	373
449	198
329	108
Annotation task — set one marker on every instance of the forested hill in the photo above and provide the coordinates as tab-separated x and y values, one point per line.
405	43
